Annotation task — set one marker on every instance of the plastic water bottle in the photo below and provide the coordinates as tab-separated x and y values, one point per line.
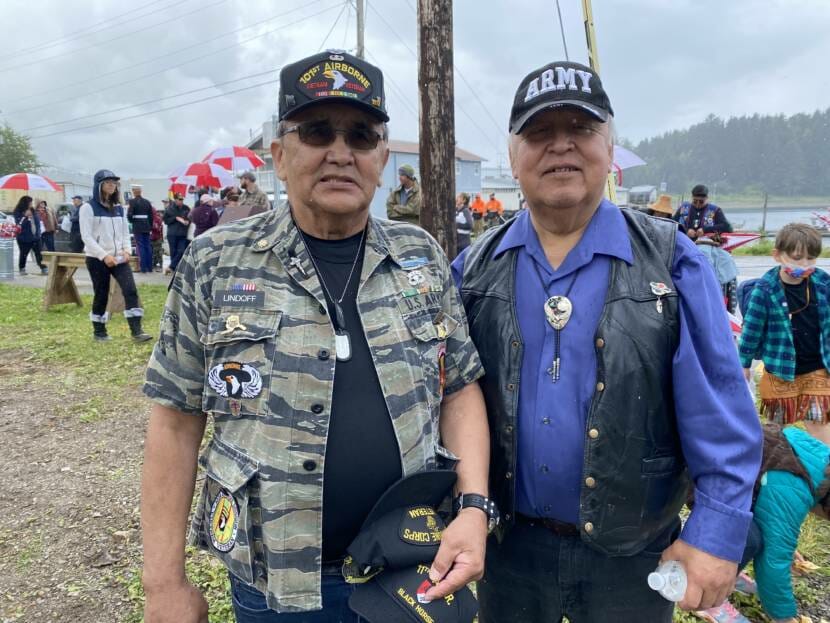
669	579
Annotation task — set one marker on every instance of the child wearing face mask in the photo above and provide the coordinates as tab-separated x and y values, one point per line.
787	325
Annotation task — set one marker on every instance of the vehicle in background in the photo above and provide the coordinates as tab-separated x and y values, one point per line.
639	197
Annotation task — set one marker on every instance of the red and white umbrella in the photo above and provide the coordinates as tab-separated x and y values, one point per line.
27	181
234	158
736	239
202	174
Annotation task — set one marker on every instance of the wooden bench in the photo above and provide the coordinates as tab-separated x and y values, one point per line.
60	283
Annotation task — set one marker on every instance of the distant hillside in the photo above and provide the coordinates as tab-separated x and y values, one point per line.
775	154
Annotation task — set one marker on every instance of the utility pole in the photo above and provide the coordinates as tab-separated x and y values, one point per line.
437	121
360	29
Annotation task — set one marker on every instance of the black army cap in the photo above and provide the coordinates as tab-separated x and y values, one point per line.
403	528
397	596
332	76
560	83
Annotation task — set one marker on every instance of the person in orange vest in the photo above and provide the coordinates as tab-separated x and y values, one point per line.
493	210
478	210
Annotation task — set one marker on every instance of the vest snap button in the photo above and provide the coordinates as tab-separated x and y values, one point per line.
600	386
514	344
508	429
600	342
508	475
511	386
593	433
588	527
590	482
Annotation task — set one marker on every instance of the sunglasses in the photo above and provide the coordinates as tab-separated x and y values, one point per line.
323	134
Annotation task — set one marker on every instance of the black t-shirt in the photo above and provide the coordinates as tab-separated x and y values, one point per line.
362	455
805	323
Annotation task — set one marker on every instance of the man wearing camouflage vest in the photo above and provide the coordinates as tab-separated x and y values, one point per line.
332	351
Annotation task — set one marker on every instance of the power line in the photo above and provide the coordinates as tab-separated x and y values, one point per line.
458	103
147	102
155	58
154	112
177	65
562	30
84	32
346	31
466	82
120	37
331	30
400	92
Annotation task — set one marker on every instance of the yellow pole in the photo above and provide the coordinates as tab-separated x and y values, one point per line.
593	63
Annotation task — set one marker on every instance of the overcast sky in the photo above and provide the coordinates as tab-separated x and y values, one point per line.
666	64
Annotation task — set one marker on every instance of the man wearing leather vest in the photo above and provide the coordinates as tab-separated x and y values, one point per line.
611	381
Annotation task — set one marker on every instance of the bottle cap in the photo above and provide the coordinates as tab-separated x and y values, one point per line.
656	581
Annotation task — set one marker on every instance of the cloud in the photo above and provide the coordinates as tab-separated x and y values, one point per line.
666	64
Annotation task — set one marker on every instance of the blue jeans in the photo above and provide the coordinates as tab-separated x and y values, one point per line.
178	245
536	576
249	604
145	252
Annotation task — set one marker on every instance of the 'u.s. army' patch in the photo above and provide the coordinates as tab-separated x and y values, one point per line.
224	521
421	525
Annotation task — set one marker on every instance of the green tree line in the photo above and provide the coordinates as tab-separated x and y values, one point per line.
780	155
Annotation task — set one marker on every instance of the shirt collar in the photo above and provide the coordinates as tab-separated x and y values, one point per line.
606	234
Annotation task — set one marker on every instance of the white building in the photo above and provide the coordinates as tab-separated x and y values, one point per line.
467	167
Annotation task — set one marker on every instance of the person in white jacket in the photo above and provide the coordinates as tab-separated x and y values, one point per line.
106	235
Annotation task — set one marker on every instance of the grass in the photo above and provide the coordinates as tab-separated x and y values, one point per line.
61	338
764	247
60	341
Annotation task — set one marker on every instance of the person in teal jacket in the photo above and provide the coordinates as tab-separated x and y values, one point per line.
784	500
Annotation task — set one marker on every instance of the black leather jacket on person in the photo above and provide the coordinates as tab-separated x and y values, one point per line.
638	477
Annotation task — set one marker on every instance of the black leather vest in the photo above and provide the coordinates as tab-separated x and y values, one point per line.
634	474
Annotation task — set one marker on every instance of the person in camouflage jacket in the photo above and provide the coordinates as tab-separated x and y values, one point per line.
251	336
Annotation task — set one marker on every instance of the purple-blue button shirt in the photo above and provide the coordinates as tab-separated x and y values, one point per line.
719	429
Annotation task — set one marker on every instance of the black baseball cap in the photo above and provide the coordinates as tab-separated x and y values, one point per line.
560	83
331	76
78	197
403	528
395	595
700	191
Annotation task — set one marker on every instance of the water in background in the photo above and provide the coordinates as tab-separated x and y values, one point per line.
750	219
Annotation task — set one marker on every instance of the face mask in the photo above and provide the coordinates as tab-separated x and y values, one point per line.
799	272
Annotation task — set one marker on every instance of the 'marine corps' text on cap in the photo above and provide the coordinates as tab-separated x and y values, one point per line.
558	81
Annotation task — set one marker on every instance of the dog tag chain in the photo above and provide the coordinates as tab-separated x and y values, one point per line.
342	340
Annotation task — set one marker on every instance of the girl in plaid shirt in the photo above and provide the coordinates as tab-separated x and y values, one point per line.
787	325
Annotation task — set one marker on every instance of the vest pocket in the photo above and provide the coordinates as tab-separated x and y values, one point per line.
222	522
239	351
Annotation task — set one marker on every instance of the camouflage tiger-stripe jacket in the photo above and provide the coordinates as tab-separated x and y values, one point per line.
240	338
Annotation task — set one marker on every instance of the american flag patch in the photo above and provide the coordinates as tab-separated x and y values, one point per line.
244	287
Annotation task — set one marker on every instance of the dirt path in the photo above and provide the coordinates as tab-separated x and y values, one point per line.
69	514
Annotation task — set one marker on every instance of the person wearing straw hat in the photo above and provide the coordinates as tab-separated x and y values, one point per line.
661	207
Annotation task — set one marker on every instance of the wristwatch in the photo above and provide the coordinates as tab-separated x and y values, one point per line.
481	502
